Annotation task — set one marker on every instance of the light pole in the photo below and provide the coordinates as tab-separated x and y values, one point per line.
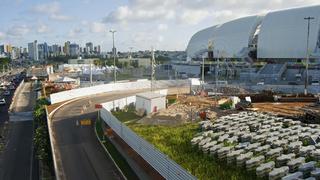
114	57
307	59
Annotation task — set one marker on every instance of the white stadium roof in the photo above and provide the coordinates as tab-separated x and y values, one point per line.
282	34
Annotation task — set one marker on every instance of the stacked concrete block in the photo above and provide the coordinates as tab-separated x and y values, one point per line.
280	143
274	153
254	162
242	158
207	146
262	149
195	141
232	156
315	173
293	176
278	173
264	169
305	151
253	146
214	149
222	152
294	164
284	159
294	147
316	155
243	145
307	168
204	141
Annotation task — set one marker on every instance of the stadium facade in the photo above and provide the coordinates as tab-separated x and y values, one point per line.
279	35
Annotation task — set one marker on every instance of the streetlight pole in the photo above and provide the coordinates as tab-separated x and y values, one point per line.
308	56
114	57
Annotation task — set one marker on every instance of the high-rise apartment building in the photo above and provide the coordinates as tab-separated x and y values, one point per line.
33	51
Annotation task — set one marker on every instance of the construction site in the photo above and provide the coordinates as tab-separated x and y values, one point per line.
269	135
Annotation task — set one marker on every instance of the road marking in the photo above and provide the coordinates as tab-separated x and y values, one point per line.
85	122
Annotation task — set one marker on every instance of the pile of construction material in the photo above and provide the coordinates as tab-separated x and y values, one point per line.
269	146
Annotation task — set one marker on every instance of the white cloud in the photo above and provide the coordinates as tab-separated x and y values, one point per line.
42	28
2	35
52	9
60	17
162	27
193	16
97	27
18	30
193	12
75	32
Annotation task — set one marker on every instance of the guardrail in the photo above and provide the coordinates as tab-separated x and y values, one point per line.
81	92
159	161
17	91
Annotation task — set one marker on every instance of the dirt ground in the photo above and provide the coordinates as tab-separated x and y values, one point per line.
186	109
283	109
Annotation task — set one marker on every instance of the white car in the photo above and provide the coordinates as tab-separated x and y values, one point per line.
260	83
2	101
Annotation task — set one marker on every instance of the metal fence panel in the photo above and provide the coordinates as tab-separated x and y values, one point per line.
168	168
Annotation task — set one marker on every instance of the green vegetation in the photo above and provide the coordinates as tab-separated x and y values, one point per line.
226	105
175	142
4	61
117	157
127	114
41	137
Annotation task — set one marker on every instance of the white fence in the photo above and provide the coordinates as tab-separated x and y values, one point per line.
159	161
81	92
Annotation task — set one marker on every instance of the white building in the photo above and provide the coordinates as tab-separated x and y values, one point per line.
280	35
150	102
33	51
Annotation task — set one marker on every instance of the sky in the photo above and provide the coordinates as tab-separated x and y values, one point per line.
140	24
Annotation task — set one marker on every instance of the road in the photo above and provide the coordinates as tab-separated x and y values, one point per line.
79	154
16	160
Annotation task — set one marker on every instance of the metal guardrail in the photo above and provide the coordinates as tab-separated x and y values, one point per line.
159	161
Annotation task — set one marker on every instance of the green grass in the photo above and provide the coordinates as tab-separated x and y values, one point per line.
123	116
175	142
118	158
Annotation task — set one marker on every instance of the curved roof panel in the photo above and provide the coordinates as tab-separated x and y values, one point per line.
198	43
233	37
283	33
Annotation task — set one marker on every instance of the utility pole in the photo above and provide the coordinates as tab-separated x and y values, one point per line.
114	57
152	68
306	80
202	75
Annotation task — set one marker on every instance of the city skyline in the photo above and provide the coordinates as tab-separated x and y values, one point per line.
140	24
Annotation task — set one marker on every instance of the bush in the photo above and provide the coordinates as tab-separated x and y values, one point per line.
41	137
226	105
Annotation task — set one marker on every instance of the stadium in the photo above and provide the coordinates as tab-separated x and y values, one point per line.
272	47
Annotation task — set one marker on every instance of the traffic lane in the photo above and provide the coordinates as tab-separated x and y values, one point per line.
82	156
77	147
16	157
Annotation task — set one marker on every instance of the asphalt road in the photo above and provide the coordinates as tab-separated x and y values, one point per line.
16	159
79	154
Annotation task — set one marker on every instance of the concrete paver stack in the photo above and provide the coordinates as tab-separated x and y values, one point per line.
273	147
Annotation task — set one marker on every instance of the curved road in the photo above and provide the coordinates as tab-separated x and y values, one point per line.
79	154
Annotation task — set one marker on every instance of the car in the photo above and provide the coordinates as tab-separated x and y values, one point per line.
7	93
315	83
260	83
2	101
292	83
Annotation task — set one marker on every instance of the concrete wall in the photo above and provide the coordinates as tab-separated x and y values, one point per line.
143	84
82	92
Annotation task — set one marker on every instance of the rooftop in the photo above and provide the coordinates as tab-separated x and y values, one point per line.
150	95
